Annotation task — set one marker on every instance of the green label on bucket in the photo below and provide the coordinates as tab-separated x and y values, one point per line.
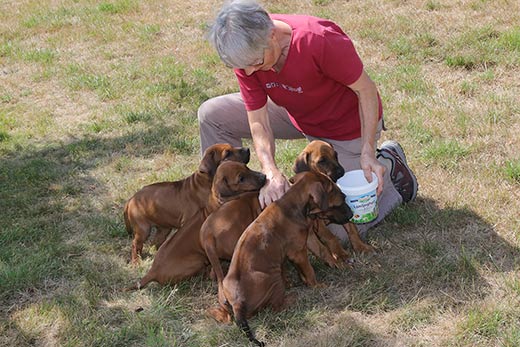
364	207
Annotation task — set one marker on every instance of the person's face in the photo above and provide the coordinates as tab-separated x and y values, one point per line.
264	63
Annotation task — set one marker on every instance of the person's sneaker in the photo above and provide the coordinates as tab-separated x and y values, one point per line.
401	175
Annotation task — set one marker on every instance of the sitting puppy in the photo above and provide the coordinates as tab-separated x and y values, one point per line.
222	229
320	156
182	256
255	277
169	205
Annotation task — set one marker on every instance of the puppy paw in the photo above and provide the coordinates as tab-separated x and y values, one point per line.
364	248
319	285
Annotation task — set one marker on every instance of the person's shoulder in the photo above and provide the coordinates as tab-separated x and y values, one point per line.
299	18
307	24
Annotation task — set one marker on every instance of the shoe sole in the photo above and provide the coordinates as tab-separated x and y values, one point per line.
392	146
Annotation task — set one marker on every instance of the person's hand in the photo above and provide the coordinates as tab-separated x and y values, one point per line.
370	164
274	188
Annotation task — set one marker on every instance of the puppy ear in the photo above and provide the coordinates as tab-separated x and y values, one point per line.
223	189
301	163
209	163
319	197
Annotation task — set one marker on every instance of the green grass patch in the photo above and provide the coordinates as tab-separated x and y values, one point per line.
413	318
374	295
50	19
482	48
485	326
432	5
134	117
40	55
7	48
80	78
100	98
483	323
182	86
431	248
30	255
416	130
512	170
405	215
118	6
510	39
445	153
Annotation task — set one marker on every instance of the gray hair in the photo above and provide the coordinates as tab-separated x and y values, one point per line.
241	32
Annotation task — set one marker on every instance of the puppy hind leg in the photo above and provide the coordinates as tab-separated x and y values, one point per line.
279	300
210	246
141	234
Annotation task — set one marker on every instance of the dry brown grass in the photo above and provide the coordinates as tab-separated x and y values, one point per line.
99	98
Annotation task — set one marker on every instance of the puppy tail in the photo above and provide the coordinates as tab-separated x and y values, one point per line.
241	321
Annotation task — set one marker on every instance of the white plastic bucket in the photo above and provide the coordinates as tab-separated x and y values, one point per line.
361	196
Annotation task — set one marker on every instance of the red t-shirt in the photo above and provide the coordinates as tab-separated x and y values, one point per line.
312	84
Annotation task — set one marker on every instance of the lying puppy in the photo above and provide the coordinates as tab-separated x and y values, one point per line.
169	205
222	229
182	256
320	156
255	277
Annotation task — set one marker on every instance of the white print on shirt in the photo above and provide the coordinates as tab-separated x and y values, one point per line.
270	85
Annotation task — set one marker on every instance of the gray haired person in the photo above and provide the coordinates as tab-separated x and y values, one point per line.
301	77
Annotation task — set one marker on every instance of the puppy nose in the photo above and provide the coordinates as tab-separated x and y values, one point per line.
246	153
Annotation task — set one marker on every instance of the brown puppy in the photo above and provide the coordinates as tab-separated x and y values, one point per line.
255	277
182	256
320	156
222	229
169	205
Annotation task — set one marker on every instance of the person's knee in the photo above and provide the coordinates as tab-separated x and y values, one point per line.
205	111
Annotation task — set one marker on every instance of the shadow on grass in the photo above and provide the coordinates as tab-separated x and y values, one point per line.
431	261
53	225
426	252
55	232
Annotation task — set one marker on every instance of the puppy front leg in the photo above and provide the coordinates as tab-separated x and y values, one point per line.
331	242
320	251
355	240
307	274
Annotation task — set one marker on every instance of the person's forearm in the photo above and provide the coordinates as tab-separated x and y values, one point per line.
366	91
369	116
263	140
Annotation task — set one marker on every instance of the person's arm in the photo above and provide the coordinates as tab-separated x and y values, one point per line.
366	91
263	141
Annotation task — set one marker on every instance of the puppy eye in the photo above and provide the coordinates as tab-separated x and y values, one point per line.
240	178
322	160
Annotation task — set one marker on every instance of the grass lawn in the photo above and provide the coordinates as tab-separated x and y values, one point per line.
98	98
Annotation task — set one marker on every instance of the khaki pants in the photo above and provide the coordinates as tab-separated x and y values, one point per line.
224	120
